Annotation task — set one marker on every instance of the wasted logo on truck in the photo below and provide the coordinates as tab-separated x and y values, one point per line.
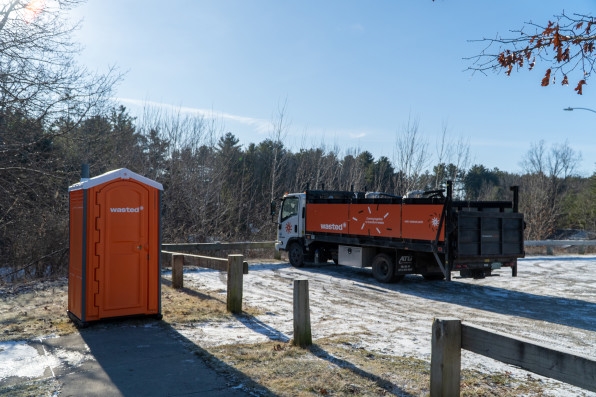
333	226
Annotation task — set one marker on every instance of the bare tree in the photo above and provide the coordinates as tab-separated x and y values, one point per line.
411	157
278	135
565	45
44	95
544	186
352	173
38	71
453	158
192	175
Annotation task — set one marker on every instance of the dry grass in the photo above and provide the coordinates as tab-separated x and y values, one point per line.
331	367
34	309
187	306
336	367
46	387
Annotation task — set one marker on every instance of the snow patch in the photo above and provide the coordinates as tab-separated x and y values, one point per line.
21	360
30	359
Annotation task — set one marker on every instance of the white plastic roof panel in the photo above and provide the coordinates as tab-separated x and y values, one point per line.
122	173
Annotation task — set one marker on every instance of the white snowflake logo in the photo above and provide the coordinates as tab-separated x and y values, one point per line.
434	222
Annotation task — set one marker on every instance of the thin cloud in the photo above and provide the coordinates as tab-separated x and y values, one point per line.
359	139
261	126
357	135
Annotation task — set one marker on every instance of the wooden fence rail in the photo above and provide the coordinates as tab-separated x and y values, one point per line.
559	243
234	265
208	262
198	247
449	336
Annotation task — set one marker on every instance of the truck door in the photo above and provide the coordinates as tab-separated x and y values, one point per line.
289	220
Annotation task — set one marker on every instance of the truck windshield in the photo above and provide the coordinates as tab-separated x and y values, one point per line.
289	208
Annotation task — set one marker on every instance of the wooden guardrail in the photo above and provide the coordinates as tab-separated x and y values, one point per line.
198	247
208	262
449	336
558	243
202	247
234	265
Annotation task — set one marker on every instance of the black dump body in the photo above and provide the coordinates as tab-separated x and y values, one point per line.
480	234
483	232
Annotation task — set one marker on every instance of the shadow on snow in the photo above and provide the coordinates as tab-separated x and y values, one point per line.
558	310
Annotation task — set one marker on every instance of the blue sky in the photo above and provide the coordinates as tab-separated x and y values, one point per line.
351	73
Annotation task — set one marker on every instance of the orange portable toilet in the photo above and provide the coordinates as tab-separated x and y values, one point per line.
114	267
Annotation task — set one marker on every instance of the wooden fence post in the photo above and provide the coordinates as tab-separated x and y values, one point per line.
235	272
445	362
302	333
177	271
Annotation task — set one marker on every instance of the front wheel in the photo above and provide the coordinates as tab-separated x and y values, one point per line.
296	255
383	268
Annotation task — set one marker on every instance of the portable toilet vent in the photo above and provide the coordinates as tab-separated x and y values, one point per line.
114	267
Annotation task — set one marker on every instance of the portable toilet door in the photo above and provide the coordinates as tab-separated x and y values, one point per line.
114	266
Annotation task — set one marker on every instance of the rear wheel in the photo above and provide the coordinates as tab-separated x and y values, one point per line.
296	255
383	268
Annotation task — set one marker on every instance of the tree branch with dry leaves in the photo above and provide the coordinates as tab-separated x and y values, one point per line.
564	48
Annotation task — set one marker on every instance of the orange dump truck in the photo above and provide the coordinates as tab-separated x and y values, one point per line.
426	233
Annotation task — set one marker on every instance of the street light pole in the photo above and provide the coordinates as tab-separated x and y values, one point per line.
569	109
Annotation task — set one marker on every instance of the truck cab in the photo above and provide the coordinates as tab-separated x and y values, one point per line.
290	227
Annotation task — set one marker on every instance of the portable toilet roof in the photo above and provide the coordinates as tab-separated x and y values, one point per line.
122	173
